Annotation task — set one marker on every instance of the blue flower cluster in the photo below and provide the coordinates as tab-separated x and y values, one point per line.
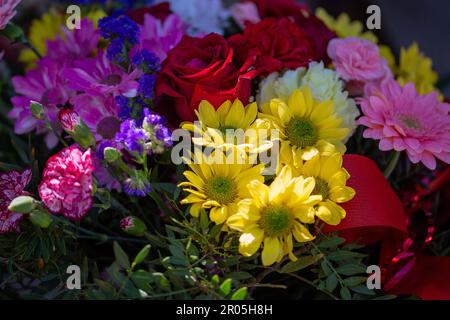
132	136
136	186
147	61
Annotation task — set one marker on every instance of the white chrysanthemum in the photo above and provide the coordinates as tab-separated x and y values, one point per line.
203	16
324	83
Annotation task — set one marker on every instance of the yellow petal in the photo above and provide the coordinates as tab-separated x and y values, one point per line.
297	104
301	233
219	214
281	182
195	210
223	111
304	213
250	115
194	179
235	115
342	194
322	111
271	251
330	165
207	115
259	192
330	212
250	241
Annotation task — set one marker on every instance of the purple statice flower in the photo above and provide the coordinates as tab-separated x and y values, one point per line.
116	51
121	27
132	136
124	107
147	85
137	185
147	61
159	135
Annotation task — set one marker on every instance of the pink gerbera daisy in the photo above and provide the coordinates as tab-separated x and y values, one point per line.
11	186
404	120
7	11
99	76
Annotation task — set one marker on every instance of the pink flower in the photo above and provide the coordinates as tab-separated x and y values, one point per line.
99	113
99	76
66	186
44	85
69	119
11	186
246	11
75	44
159	37
358	61
7	11
404	120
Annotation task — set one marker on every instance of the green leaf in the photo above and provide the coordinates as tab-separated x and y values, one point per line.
345	293
215	280
331	283
204	221
325	268
121	257
240	275
141	255
13	32
344	255
225	287
301	263
354	281
386	297
331	243
363	290
351	269
240	294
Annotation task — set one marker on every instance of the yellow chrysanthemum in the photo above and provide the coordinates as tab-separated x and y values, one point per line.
231	125
274	215
218	184
330	178
48	27
344	27
305	125
415	67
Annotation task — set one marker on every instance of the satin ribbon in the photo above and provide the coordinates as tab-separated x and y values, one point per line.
376	214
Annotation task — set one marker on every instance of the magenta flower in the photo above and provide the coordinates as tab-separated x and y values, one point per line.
11	186
44	85
159	37
7	11
358	62
74	44
99	113
66	186
404	120
99	76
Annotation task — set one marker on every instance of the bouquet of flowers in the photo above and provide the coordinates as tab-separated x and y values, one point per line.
212	149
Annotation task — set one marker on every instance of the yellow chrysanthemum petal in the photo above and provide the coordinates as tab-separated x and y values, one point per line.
250	241
271	251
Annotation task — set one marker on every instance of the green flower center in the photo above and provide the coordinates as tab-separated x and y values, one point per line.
410	122
301	132
221	189
276	220
321	188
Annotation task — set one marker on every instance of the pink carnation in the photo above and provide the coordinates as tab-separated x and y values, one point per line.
66	186
11	186
404	120
7	11
243	12
358	62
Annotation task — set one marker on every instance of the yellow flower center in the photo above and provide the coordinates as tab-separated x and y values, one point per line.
221	189
301	132
321	188
276	220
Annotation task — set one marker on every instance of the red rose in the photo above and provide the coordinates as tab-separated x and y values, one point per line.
200	69
160	11
317	31
277	9
274	44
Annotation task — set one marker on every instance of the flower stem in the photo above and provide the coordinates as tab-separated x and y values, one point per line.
392	164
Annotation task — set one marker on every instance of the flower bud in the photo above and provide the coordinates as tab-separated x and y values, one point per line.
22	204
111	154
133	226
71	123
37	110
41	219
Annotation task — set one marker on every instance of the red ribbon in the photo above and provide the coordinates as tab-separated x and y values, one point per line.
376	214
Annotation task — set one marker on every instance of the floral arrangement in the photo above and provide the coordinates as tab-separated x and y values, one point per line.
203	149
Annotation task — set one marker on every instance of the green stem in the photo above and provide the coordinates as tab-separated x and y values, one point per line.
392	164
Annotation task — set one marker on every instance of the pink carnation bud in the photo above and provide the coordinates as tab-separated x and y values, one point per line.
133	226
69	119
66	186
